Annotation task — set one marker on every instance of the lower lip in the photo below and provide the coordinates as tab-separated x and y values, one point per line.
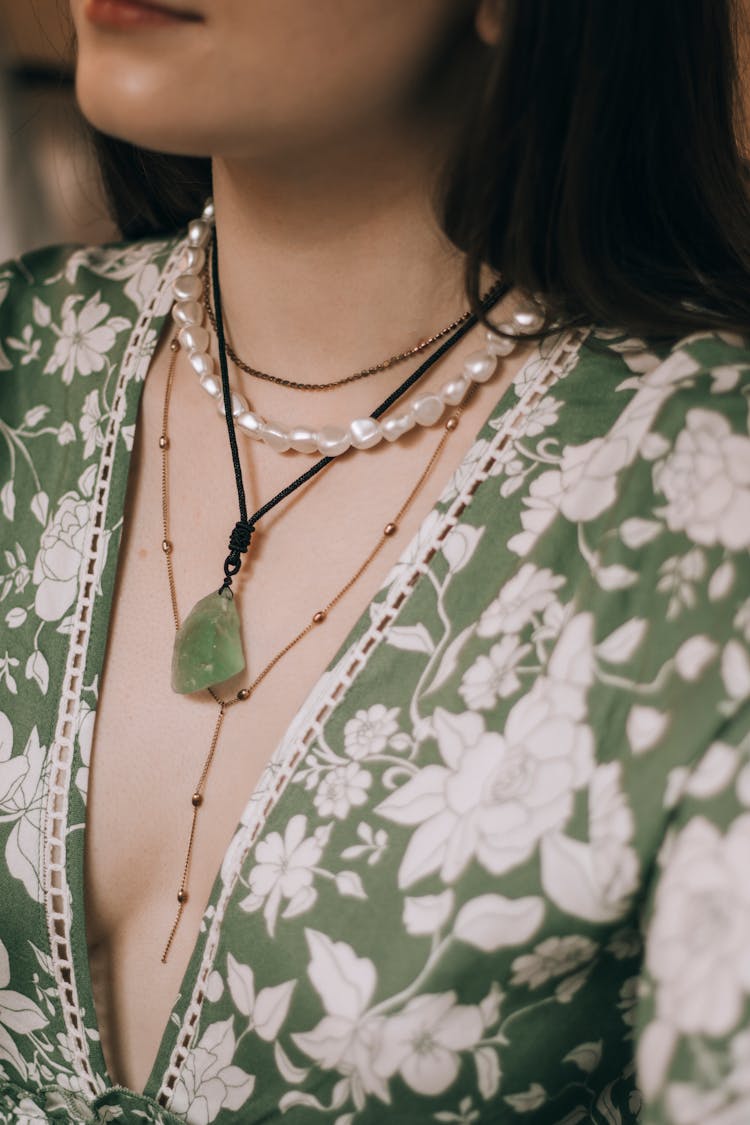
128	14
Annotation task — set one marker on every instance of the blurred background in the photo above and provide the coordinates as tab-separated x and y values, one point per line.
49	186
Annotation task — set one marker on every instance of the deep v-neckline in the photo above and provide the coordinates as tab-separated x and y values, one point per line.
66	916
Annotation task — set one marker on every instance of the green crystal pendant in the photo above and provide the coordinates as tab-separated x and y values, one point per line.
207	647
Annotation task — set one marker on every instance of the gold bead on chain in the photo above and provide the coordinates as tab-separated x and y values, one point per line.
318	618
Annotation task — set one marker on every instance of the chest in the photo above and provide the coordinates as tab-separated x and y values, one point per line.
150	746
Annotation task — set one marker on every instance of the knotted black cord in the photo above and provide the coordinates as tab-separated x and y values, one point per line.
239	540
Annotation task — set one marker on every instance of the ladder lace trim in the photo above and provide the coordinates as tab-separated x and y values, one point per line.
54	875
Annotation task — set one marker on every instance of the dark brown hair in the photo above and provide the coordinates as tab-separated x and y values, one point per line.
601	166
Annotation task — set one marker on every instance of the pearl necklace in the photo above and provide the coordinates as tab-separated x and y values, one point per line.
425	409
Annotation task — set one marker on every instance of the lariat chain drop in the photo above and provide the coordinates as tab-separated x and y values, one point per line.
318	618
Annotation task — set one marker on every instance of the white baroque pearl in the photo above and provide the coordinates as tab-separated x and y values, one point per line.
454	390
365	432
399	424
187	287
427	408
187	313
303	439
212	385
333	440
194	338
198	232
275	435
501	345
195	259
250	424
239	404
480	366
209	212
201	363
528	319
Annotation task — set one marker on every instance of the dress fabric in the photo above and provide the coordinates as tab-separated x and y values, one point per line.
498	869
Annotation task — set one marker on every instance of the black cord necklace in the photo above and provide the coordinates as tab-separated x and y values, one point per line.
208	646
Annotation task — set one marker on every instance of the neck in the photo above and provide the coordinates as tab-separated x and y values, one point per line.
332	263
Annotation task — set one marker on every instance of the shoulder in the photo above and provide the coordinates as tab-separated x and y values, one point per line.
709	361
71	311
642	471
43	289
78	326
73	265
689	396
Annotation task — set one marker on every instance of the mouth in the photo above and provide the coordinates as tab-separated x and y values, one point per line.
136	13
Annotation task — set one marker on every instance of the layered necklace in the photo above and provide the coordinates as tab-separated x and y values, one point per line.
208	648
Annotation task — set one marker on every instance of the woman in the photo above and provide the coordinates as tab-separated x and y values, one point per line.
491	788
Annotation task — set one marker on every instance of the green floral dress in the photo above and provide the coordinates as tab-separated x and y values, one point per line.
498	869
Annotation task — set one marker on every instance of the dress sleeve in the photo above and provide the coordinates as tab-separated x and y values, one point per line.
693	1025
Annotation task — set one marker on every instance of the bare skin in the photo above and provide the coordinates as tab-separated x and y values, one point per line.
331	259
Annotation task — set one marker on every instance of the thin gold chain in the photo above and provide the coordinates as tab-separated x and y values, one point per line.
392	361
317	618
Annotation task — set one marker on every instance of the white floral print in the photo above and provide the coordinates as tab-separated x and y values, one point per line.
553	957
347	1038
84	338
423	1042
90	423
370	730
18	1014
529	592
209	1081
706	481
581	489
341	789
494	676
58	562
426	914
541	416
21	805
725	1104
703	977
489	780
284	870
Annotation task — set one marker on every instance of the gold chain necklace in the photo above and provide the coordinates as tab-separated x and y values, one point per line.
317	619
298	386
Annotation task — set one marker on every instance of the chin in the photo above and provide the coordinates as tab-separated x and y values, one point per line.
156	107
127	103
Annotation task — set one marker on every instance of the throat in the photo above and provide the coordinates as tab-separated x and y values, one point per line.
341	278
